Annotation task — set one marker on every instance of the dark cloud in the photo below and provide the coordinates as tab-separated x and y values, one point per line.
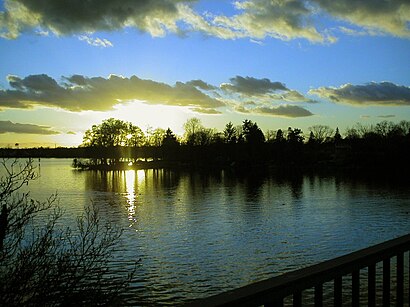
78	93
289	111
250	86
386	16
387	116
255	19
262	92
284	111
202	85
10	127
79	16
383	93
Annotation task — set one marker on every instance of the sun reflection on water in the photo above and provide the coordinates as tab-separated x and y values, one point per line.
130	189
133	180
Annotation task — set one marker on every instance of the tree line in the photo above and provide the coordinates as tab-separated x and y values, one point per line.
113	144
246	144
114	132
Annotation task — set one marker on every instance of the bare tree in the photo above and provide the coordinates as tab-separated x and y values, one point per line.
321	133
193	128
41	265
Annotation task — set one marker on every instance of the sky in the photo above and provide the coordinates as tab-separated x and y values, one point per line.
67	65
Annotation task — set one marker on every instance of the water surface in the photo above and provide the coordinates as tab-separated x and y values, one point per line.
199	234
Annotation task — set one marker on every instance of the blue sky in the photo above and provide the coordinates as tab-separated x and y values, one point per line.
67	65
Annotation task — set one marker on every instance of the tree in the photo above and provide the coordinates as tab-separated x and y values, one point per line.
279	136
113	132
169	138
270	136
295	136
337	137
196	133
134	136
41	265
230	133
193	128
312	139
252	133
321	133
155	137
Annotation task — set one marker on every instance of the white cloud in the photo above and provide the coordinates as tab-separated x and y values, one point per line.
97	42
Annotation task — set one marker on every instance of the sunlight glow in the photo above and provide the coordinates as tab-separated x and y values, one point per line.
156	116
140	176
130	189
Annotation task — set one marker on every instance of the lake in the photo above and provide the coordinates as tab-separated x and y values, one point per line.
202	233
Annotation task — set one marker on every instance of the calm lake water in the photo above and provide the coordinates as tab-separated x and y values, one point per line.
199	234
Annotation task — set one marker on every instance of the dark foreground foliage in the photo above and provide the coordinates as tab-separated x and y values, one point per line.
43	265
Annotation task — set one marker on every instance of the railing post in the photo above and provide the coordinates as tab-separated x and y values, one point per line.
297	299
319	295
400	279
386	282
337	299
274	303
371	285
355	288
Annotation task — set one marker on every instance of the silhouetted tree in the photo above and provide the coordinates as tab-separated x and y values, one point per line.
41	265
337	137
192	128
321	133
279	136
270	136
230	131
113	132
312	139
169	138
295	136
252	133
155	137
134	136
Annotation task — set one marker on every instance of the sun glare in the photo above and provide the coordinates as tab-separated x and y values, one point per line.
155	116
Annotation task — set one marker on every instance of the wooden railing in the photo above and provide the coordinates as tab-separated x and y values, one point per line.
355	268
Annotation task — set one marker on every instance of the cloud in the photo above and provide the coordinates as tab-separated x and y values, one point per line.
201	85
79	93
78	16
10	127
289	111
284	111
207	111
381	94
281	19
97	42
387	116
388	17
250	86
262	91
252	19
